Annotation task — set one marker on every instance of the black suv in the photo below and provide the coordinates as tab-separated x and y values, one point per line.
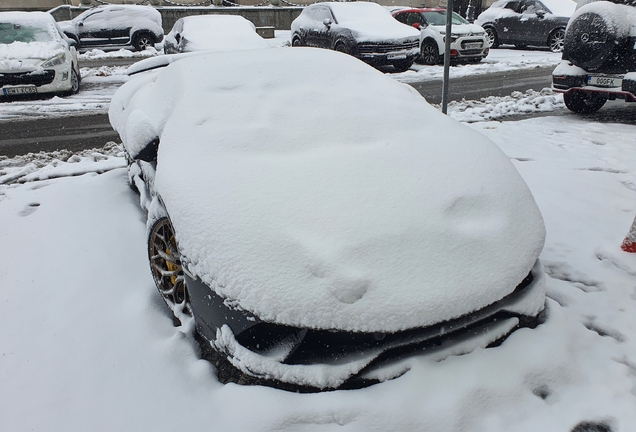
599	56
139	26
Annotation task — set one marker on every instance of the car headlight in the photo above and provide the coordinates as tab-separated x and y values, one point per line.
54	61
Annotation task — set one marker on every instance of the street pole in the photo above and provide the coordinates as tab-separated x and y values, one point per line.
447	43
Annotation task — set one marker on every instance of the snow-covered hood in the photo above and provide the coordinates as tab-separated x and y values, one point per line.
316	192
461	29
385	31
21	56
66	26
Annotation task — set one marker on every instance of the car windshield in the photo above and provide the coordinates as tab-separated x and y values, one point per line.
359	11
439	18
13	32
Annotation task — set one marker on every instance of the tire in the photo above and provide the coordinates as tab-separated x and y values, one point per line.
297	42
165	265
583	102
492	37
342	47
75	82
589	41
556	40
429	54
402	65
142	41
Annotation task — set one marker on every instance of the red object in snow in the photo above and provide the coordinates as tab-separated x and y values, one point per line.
629	244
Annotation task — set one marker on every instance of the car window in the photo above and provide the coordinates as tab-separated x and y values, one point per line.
532	7
94	16
12	32
319	13
438	18
513	5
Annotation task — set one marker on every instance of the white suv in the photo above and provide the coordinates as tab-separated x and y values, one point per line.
468	41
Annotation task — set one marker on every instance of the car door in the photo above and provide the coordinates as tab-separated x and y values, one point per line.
117	24
533	27
507	24
319	34
89	29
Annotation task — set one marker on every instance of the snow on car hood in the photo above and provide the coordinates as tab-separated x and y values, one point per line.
461	29
314	191
21	55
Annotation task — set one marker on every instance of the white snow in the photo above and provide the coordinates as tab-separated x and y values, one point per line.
290	244
87	342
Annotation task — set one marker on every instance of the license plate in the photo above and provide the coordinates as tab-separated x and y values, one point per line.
396	56
473	45
604	81
11	91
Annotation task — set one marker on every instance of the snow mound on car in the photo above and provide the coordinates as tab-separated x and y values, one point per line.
312	190
221	33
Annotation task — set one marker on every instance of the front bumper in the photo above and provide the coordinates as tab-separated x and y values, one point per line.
317	359
51	80
469	47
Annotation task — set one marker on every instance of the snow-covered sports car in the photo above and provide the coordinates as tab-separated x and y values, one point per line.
321	221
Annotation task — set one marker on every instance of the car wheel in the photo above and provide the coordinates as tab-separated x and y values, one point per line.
429	54
165	264
491	35
143	41
402	65
556	40
583	102
297	42
341	47
75	82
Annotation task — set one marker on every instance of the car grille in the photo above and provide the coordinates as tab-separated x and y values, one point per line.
383	48
471	52
26	78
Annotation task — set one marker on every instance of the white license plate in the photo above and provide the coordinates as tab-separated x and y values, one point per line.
396	56
473	45
604	81
11	91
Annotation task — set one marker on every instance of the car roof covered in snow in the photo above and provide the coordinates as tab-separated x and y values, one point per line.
311	190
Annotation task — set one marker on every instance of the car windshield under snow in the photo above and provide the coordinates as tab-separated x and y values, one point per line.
12	32
355	12
439	18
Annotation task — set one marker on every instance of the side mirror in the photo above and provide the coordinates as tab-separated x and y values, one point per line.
80	24
540	13
327	22
417	25
177	37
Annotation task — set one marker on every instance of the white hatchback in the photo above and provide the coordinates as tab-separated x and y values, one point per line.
35	56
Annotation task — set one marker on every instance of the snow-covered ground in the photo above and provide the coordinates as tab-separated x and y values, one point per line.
87	343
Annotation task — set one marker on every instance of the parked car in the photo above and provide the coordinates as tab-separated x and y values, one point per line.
35	56
527	22
321	221
363	29
599	57
468	41
212	33
139	26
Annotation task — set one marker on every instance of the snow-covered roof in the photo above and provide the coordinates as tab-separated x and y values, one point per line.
220	33
314	191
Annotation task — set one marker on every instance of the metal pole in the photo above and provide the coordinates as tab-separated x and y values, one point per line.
447	43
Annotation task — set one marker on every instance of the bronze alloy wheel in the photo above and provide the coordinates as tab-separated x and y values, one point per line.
165	264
